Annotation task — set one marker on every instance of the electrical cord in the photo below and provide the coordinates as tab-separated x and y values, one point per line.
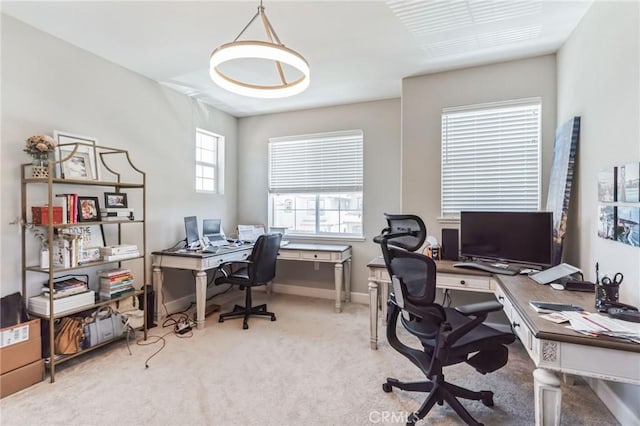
446	298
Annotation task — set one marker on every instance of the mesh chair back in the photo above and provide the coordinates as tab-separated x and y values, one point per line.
415	271
405	230
264	257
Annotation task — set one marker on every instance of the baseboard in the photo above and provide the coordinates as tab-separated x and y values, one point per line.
318	293
180	304
622	413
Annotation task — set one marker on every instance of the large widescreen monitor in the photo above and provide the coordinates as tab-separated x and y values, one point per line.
516	237
191	231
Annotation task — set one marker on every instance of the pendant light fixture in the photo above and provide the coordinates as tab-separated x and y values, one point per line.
272	50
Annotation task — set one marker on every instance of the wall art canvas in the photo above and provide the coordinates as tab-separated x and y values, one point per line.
560	183
628	177
606	222
628	225
607	185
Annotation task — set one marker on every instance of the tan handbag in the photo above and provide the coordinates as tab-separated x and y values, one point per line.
69	336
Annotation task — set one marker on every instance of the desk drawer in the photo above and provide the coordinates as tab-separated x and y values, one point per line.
289	254
215	261
521	330
315	256
464	282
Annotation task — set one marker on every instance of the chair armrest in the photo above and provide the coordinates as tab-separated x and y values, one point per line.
230	263
480	308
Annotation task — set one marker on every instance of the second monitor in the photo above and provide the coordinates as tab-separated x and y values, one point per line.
212	231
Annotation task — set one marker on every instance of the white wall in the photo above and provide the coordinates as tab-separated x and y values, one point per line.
48	84
380	122
599	80
424	97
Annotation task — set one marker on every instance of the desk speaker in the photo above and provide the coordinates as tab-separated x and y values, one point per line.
449	244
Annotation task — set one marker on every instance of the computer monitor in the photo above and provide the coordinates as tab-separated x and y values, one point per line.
191	231
212	230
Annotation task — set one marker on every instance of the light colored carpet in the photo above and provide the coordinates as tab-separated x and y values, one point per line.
310	367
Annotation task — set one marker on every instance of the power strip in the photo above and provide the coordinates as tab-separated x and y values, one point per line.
184	327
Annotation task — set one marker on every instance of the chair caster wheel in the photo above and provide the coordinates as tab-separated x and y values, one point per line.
220	319
273	318
245	326
387	387
412	419
440	402
487	398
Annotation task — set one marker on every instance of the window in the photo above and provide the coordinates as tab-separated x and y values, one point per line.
491	157
209	162
315	184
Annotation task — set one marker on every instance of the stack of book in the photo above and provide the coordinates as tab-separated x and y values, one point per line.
41	306
119	252
116	213
69	205
115	283
66	251
64	287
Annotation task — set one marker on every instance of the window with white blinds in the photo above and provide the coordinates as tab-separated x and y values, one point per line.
315	183
491	157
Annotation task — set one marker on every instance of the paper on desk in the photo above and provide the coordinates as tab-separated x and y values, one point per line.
250	232
597	324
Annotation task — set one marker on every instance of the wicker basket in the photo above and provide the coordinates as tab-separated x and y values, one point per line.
40	171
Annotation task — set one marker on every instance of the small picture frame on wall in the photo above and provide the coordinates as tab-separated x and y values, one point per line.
607	185
606	222
88	209
115	200
628	225
629	183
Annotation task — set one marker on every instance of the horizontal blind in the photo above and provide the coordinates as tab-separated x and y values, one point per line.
328	162
491	157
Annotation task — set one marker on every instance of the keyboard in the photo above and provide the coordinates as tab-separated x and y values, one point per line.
487	267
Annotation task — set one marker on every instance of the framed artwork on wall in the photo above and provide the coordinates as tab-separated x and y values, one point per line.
628	178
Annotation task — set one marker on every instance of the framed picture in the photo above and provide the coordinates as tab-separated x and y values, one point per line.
88	209
91	238
607	185
606	221
629	183
628	225
115	200
83	164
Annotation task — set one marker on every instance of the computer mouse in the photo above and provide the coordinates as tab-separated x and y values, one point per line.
557	286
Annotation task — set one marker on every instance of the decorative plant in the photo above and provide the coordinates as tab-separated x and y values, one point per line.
40	234
39	146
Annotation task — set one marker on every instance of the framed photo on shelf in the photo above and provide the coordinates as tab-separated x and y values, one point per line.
81	164
115	200
88	209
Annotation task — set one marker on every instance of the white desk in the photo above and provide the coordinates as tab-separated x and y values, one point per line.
339	255
200	263
553	348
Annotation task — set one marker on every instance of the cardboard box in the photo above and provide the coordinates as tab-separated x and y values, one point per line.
21	378
20	345
40	215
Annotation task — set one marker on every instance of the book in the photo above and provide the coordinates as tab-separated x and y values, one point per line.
116	257
548	307
120	211
113	272
58	294
118	249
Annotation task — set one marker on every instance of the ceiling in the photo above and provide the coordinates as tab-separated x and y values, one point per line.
357	50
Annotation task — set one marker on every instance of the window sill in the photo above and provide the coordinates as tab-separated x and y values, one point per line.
454	220
301	238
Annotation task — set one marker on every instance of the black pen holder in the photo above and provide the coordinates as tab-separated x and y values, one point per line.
605	295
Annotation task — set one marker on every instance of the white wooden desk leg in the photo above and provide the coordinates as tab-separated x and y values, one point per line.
384	297
201	297
373	314
547	396
347	281
157	286
338	270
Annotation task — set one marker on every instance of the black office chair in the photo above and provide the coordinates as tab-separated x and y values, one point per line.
258	269
448	335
